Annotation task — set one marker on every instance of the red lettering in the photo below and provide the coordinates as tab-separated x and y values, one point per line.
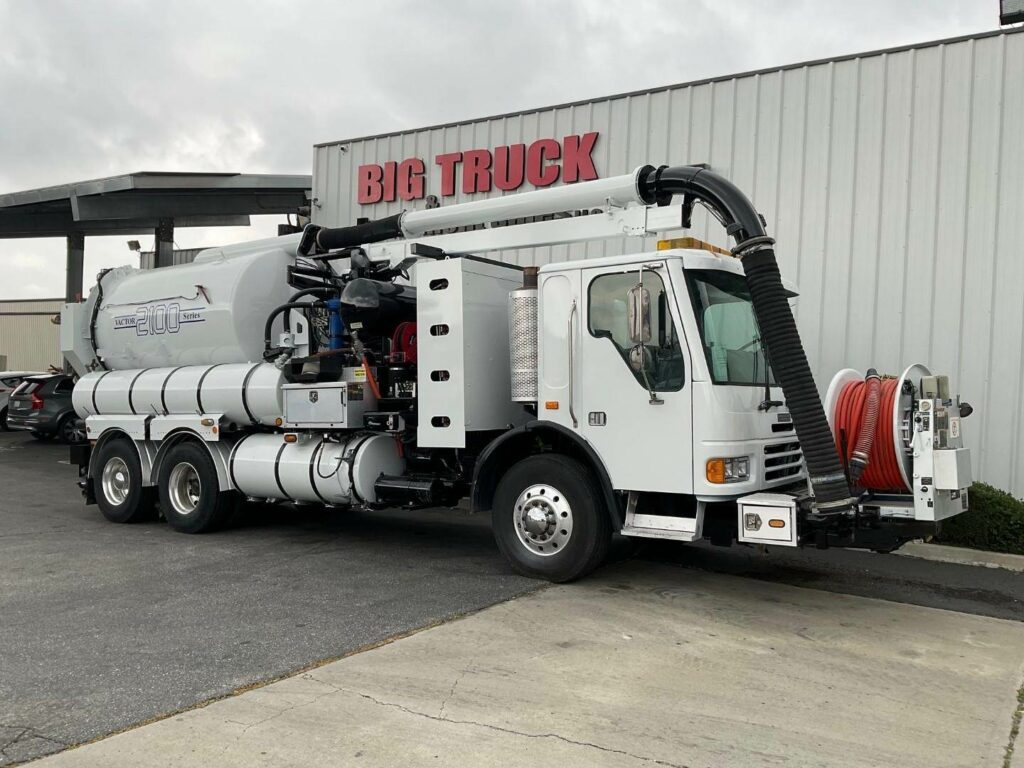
390	170
537	173
368	186
476	174
410	179
508	167
577	164
448	163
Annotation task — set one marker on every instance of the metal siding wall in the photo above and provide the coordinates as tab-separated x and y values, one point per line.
30	341
892	182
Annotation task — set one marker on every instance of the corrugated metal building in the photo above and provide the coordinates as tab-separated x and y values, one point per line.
28	337
893	181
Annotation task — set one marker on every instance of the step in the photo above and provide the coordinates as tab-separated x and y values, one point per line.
662	527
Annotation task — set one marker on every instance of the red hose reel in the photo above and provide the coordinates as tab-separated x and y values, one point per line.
874	433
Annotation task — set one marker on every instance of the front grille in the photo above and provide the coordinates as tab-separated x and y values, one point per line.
782	460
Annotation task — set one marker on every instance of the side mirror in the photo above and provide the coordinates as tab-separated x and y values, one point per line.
638	314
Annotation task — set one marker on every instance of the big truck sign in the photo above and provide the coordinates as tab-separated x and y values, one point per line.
506	168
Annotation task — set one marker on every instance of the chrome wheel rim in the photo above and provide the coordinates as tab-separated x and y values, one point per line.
543	520
184	488
116	481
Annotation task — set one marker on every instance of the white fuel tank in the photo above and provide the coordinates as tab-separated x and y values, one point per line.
313	469
210	311
245	393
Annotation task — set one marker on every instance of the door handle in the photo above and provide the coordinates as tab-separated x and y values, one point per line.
572	383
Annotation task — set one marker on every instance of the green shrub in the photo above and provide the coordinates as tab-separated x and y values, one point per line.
994	521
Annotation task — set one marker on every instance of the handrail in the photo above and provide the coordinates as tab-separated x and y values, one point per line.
572	410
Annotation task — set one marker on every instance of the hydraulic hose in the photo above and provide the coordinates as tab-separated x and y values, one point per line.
779	333
268	327
322	291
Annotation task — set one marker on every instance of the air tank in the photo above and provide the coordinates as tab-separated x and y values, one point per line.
209	312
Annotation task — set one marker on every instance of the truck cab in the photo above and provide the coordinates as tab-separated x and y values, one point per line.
692	409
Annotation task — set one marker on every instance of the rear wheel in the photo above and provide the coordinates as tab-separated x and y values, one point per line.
3	419
549	520
190	495
117	484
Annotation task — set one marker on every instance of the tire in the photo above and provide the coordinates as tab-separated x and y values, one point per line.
190	495
557	490
3	420
71	430
120	494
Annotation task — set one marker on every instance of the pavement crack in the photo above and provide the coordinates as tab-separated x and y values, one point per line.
455	684
274	716
1018	715
511	731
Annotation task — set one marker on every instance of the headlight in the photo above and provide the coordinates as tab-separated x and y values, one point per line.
733	470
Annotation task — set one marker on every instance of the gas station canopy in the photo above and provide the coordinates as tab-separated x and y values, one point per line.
140	202
143	202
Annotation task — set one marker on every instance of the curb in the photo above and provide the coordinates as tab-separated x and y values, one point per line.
941	553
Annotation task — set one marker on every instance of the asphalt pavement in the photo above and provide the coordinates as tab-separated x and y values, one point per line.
105	626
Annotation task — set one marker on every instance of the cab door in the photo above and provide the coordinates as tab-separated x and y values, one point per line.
634	405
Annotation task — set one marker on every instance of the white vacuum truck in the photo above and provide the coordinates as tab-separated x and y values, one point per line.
391	364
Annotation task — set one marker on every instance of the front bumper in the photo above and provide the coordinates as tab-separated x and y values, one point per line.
784	519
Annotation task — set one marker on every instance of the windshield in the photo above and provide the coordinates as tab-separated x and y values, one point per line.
728	328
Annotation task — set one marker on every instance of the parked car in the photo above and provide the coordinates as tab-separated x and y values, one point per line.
42	406
10	381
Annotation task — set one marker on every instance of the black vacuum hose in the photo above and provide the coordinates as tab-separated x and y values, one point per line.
779	333
329	239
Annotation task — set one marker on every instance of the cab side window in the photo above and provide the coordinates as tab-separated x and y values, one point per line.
607	319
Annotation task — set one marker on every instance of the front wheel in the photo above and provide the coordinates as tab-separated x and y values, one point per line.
549	520
190	495
3	420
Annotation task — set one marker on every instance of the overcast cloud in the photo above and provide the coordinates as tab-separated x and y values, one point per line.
91	89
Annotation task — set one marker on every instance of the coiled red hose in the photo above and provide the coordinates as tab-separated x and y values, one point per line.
883	470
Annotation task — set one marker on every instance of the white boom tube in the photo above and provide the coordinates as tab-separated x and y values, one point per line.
615	190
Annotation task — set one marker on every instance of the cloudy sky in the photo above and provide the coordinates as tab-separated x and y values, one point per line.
97	88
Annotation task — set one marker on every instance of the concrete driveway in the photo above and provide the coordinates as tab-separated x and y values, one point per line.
644	665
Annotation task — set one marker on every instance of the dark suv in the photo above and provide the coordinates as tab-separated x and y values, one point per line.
42	405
